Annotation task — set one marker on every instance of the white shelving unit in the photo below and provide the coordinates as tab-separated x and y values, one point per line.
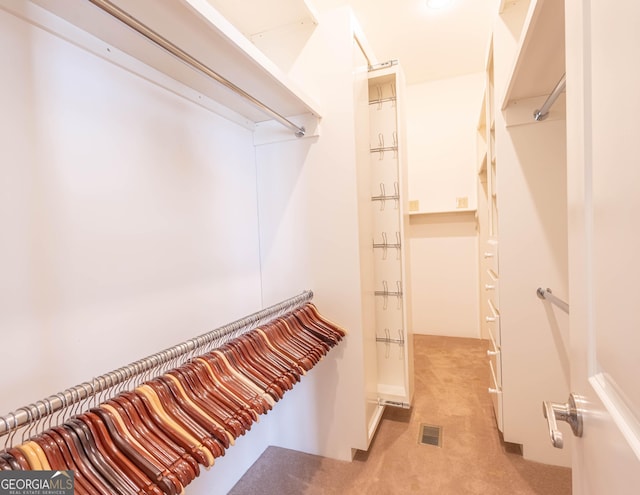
390	217
526	242
539	59
443	212
195	27
488	236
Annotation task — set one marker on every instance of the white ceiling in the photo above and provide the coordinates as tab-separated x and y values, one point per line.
430	44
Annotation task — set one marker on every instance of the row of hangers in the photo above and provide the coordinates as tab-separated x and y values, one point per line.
153	439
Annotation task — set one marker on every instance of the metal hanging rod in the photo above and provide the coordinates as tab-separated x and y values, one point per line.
542	113
141	368
547	294
177	52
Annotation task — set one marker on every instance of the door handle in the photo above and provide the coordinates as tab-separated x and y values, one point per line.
568	412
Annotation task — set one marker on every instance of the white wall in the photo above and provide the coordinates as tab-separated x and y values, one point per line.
129	222
444	275
309	239
442	117
533	253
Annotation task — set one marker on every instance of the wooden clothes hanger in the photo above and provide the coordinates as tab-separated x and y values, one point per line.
202	416
135	451
116	457
230	390
245	378
282	374
243	366
69	439
282	355
20	458
222	394
172	430
240	385
237	413
82	483
158	394
8	462
312	327
277	334
199	396
290	331
156	446
31	457
119	483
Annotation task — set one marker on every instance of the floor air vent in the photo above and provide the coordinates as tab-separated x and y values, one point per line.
430	435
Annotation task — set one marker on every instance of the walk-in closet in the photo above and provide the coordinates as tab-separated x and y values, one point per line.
319	246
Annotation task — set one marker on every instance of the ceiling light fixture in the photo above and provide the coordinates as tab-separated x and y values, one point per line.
437	4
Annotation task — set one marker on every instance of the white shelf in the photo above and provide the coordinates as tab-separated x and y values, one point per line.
391	391
482	168
197	28
507	4
253	17
442	212
482	118
539	61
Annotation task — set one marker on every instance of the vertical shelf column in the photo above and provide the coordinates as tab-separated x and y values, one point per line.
390	220
488	238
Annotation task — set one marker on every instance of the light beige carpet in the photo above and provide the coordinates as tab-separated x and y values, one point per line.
451	392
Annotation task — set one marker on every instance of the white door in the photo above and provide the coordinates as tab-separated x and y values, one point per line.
603	133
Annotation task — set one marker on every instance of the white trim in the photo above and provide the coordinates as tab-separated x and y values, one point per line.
617	408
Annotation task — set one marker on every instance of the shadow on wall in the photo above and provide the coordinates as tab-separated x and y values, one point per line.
283	191
559	328
543	169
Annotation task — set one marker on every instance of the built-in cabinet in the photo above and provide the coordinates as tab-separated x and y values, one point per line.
487	217
523	230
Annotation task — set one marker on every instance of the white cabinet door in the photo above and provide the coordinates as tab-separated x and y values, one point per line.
603	111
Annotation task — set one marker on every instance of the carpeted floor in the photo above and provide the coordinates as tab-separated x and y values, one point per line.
451	392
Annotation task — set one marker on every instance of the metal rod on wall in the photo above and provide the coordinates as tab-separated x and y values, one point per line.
548	295
79	393
542	113
164	43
